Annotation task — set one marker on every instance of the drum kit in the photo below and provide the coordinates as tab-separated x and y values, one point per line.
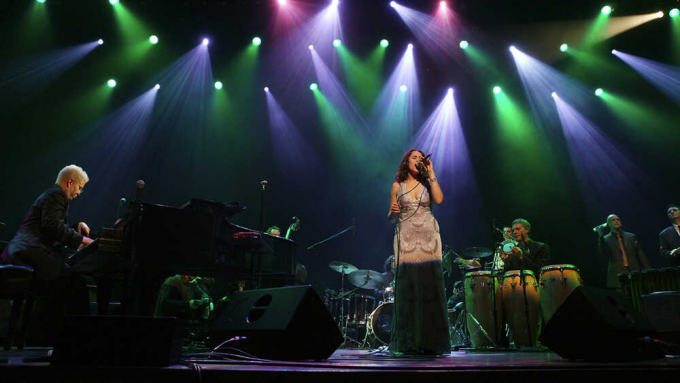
501	307
361	321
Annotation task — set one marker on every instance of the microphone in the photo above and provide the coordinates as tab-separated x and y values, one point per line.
263	183
427	157
140	186
120	206
598	227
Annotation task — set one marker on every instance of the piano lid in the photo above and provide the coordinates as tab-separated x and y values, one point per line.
213	207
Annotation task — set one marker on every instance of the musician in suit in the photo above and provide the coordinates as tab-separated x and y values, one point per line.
41	241
183	297
528	254
622	249
669	238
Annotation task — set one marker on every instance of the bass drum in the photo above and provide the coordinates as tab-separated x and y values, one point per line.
380	324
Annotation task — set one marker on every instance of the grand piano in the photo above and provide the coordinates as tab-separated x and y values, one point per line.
152	242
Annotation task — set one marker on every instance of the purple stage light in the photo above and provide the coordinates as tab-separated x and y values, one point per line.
311	47
157	86
282	2
335	3
410	46
266	89
665	78
553	94
100	41
442	4
206	42
393	4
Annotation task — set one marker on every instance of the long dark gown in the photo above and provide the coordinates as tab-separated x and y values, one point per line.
419	326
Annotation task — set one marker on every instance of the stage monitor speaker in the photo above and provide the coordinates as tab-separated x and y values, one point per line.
287	323
117	341
599	325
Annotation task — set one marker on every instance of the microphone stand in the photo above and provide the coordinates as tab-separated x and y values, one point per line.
324	241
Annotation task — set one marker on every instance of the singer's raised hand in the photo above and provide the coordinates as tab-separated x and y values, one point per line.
395	208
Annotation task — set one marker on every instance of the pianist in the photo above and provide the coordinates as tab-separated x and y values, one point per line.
43	236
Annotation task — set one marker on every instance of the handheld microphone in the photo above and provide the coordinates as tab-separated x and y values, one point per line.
427	157
598	227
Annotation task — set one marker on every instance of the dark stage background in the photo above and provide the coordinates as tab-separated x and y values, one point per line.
225	159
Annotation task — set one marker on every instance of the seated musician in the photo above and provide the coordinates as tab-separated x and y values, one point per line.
184	297
528	254
622	249
43	236
669	238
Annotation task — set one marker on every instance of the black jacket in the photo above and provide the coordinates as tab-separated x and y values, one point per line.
669	239
535	256
44	231
609	247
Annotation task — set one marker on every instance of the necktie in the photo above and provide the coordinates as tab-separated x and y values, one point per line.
623	250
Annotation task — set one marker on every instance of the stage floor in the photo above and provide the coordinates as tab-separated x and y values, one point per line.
351	365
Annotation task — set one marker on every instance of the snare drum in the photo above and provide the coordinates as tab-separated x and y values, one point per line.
479	301
380	324
363	306
523	320
557	282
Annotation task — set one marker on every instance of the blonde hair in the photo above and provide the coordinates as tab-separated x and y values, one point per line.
72	171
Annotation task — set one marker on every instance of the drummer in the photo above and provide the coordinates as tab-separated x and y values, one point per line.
528	254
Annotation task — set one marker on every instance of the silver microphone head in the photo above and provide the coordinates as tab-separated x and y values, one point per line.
140	184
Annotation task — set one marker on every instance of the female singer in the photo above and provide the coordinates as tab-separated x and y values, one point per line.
419	324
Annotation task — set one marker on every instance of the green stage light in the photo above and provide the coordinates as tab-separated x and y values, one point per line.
384	43
257	41
674	12
153	39
337	43
113	2
606	10
111	83
497	89
218	85
41	1
564	47
464	44
314	86
598	92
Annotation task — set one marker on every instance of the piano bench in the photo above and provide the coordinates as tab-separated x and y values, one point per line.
15	285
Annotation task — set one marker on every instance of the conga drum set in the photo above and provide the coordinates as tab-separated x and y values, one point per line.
509	305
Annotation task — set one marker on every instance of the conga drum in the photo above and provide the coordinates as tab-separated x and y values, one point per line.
522	312
479	301
557	282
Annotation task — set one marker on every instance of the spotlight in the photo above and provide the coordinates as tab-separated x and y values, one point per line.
497	89
282	2
337	43
113	2
553	94
564	47
614	51
410	46
266	88
674	12
403	88
218	85
393	4
153	39
442	4
598	92
100	41
257	41
111	83
41	1
206	41
659	14
512	48
314	86
450	91
311	47
464	44
157	86
606	10
384	43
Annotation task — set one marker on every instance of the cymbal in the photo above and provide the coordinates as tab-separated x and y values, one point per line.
477	252
367	279
342	267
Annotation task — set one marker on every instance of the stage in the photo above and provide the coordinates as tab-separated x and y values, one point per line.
33	364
